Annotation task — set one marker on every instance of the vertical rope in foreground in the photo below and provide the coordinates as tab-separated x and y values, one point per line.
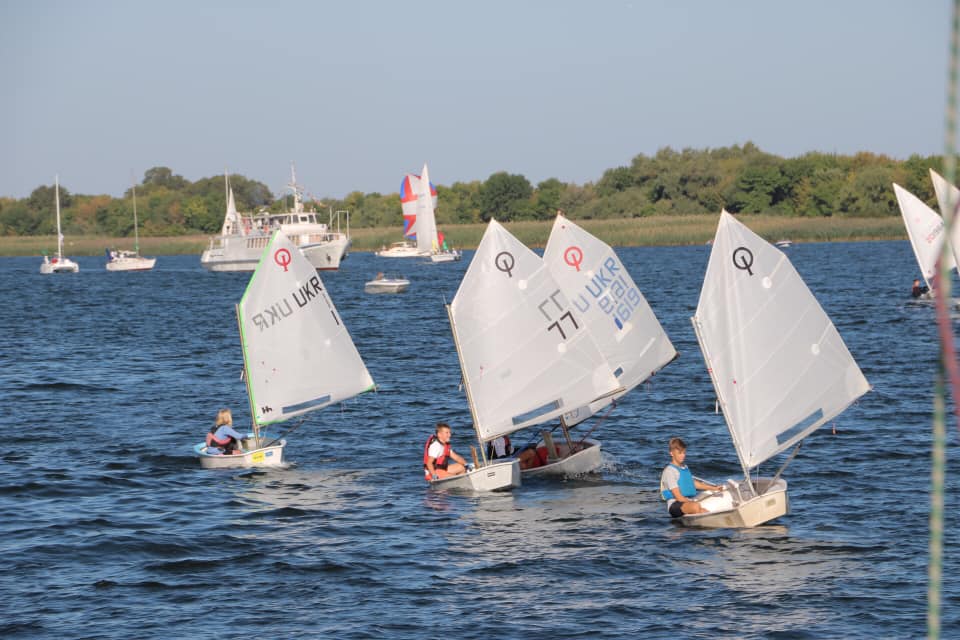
947	368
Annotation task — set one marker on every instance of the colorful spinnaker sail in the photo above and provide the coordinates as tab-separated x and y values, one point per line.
409	192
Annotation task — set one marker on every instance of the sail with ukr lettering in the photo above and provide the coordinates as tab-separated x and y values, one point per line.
779	366
925	230
298	354
524	349
948	196
616	314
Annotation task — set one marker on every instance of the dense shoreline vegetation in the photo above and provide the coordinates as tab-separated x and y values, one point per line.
649	231
820	188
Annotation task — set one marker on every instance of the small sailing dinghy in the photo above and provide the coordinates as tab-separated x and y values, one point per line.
297	354
126	260
778	365
59	264
948	196
621	323
926	232
525	354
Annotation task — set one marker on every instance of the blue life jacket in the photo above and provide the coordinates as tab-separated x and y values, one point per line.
685	484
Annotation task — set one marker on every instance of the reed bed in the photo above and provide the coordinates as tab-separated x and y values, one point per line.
650	231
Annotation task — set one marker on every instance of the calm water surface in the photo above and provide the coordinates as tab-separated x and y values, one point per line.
111	529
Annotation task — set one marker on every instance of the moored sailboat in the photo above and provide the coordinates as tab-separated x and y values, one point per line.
125	260
778	365
60	263
409	196
297	354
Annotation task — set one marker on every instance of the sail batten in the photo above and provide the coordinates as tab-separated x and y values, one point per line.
298	355
524	350
779	366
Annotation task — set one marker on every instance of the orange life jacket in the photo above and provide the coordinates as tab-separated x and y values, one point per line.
440	462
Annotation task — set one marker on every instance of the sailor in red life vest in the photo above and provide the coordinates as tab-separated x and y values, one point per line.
437	456
223	436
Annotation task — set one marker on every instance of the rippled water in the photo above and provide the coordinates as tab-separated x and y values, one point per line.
111	530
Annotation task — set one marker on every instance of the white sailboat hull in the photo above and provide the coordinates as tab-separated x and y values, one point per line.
62	265
131	264
736	513
271	456
400	250
242	253
496	476
445	256
586	460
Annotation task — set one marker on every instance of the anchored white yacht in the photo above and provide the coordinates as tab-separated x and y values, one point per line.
243	237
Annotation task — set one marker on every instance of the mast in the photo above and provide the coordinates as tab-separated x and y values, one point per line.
136	232
466	384
246	380
297	197
56	181
723	403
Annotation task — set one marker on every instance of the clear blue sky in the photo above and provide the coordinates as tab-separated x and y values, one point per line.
357	93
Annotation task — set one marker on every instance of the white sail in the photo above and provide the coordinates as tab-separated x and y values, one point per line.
297	353
947	196
56	187
525	352
231	221
925	229
616	314
778	365
426	225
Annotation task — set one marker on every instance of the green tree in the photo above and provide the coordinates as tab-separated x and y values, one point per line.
506	197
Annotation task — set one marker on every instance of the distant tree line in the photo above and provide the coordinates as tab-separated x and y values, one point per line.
740	178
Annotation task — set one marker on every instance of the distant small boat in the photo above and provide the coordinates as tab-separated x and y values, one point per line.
386	284
402	249
124	260
59	264
783	244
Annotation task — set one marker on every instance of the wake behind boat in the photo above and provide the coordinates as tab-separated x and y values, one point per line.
778	365
243	238
297	354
